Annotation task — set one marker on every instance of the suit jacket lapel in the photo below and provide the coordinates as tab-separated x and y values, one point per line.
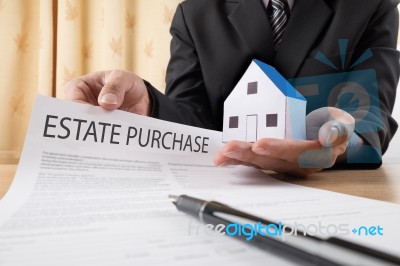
251	22
307	20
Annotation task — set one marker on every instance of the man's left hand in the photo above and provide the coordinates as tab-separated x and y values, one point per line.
328	130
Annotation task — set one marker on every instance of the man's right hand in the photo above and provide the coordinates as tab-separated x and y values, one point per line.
116	89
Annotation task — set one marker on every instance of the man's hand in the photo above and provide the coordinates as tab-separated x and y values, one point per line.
111	90
328	130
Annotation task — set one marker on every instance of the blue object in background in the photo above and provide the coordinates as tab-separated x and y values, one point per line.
355	92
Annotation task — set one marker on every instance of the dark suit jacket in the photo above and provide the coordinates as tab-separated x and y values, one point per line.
214	41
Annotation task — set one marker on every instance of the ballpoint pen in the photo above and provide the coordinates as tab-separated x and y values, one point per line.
300	247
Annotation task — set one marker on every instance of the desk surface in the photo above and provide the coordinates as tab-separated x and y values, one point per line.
381	184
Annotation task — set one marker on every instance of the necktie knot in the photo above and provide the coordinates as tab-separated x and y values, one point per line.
279	5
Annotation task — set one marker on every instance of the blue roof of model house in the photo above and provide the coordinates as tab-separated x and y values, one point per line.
280	82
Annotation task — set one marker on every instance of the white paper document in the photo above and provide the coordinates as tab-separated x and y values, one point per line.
92	188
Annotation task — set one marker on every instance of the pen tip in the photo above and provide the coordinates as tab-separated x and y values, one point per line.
173	198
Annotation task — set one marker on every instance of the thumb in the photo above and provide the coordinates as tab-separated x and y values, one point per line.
112	94
334	132
330	125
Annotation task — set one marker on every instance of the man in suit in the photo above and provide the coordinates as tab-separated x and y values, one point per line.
214	41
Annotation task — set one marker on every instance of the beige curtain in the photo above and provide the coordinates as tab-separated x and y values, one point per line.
45	43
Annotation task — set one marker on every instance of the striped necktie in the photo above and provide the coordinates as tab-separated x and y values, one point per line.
279	16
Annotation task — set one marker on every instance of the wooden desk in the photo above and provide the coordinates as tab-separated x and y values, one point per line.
382	184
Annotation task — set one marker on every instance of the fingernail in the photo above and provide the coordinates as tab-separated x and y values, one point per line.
234	154
332	136
109	98
262	151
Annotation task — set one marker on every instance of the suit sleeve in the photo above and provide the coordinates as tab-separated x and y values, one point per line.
377	126
185	100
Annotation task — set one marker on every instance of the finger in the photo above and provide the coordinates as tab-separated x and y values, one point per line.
248	158
300	172
223	161
341	116
323	158
284	149
116	83
137	99
235	148
339	149
79	90
317	118
243	152
334	133
231	148
239	152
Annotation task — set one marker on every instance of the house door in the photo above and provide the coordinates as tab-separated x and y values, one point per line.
251	128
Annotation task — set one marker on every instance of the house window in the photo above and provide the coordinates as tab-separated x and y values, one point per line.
272	120
233	122
252	87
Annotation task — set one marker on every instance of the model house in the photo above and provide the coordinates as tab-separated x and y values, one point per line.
264	104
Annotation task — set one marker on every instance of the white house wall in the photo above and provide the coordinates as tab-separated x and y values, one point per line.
267	100
296	119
